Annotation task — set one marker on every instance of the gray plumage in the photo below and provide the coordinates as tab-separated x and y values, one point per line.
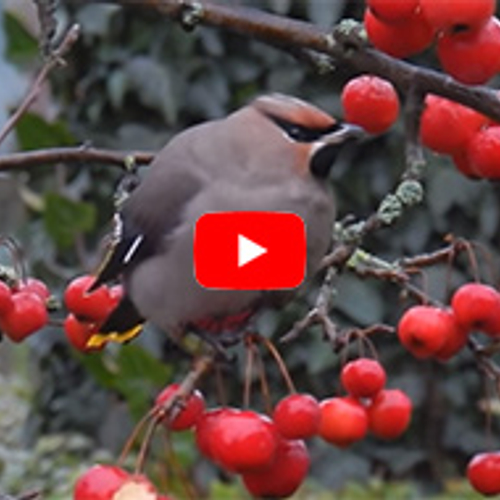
258	158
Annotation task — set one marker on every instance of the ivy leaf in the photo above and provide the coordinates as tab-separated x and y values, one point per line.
139	375
33	132
21	45
65	218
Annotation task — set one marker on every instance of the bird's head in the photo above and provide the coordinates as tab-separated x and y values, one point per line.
311	135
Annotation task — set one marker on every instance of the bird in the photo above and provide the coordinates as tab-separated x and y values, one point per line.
273	154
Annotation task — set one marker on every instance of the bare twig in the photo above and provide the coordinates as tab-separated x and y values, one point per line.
54	60
77	154
319	314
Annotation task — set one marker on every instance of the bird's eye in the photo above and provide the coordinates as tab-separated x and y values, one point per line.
300	133
297	133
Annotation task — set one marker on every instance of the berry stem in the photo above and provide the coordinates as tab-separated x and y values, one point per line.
281	364
133	436
148	436
250	356
178	469
264	385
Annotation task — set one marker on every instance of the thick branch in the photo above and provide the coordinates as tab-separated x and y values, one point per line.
345	46
83	154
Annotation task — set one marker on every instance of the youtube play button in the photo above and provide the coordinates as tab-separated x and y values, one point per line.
250	250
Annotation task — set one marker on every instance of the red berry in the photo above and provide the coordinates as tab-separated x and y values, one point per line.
455	340
204	430
453	15
389	414
483	473
477	307
94	306
463	164
79	332
390	11
27	316
363	377
284	476
6	303
297	416
471	56
35	286
100	482
483	153
188	414
441	115
371	102
135	487
244	441
424	330
343	421
399	40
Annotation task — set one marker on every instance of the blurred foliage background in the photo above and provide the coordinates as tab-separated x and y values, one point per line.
132	81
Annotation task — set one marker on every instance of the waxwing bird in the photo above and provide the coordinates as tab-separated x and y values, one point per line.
271	155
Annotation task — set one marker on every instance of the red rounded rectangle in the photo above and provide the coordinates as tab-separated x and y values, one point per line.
250	250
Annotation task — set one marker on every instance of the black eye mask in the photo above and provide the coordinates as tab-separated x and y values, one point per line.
300	133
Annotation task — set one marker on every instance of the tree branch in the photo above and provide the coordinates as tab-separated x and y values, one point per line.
347	46
83	154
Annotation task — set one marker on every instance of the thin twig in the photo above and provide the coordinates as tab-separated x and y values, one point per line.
54	60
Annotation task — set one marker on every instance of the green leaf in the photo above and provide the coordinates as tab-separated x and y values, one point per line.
134	361
139	375
21	45
95	365
33	132
132	372
65	218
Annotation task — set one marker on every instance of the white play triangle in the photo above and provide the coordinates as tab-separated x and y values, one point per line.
248	250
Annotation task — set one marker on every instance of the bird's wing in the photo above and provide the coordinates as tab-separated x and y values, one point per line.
141	230
152	213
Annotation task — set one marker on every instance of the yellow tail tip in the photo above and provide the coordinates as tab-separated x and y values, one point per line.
99	340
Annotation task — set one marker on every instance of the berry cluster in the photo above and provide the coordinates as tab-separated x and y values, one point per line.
474	144
23	308
433	332
87	310
107	482
368	406
270	453
467	34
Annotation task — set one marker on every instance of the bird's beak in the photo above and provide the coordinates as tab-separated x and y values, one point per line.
347	132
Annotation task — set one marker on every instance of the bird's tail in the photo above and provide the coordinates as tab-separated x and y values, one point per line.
122	325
